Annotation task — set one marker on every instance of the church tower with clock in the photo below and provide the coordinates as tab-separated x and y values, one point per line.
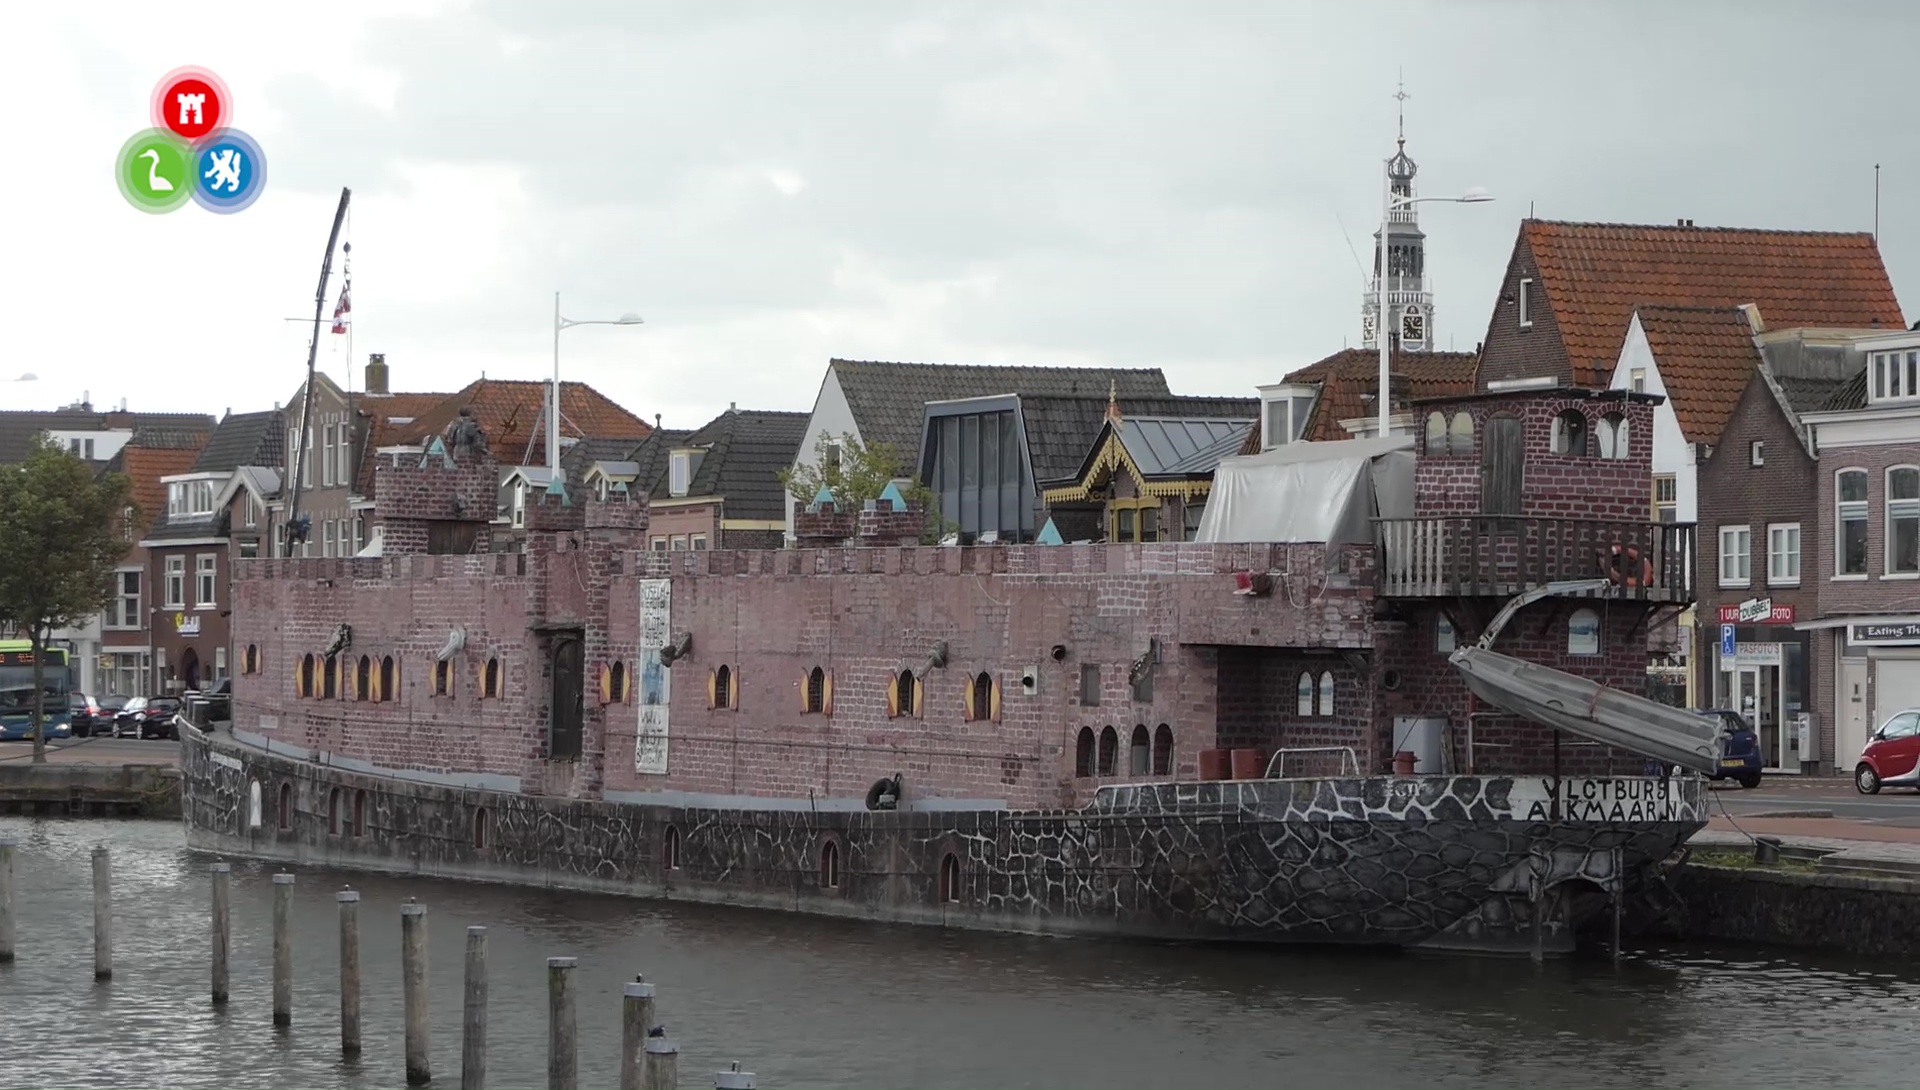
1407	299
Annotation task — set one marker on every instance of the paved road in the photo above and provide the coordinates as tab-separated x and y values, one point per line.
110	751
1895	807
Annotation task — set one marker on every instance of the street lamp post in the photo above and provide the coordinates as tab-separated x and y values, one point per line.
553	395
1382	326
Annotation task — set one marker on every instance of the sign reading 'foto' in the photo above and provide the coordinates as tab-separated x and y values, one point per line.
1756	611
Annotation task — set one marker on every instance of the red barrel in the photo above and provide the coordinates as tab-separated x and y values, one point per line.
1403	762
1247	765
1215	764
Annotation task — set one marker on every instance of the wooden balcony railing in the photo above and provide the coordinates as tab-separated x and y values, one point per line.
1490	555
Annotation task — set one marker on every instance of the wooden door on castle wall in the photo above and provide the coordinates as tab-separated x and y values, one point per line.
1502	466
569	696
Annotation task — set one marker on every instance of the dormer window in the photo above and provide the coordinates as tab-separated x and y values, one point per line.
186	499
1284	410
1896	376
679	472
681	466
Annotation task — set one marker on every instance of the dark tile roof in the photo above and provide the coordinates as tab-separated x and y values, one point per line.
1706	357
1062	430
1851	394
745	450
649	456
244	439
1595	274
165	529
888	400
1350	378
17	428
577	459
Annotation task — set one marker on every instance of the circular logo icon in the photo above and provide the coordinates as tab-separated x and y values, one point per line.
155	171
229	172
191	103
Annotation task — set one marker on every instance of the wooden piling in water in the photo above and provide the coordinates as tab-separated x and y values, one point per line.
636	1018
1619	895
473	1019
563	1053
733	1079
7	846
413	980
349	902
283	949
661	1071
221	875
102	914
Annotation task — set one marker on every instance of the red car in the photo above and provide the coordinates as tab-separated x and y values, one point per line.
1892	756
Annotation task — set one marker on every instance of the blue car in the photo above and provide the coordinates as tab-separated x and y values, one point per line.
1740	760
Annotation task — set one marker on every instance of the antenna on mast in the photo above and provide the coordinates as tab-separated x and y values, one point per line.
1876	202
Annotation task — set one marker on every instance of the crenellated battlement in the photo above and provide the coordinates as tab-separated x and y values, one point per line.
1352	572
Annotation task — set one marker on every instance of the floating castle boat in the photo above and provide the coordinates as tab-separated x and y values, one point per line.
1383	697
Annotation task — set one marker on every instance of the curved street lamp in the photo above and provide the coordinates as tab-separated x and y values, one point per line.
553	395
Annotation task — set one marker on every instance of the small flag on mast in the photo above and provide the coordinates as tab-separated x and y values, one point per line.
344	307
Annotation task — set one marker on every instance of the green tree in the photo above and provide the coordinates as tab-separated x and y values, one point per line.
59	542
856	472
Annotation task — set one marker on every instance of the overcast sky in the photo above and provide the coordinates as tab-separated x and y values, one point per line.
771	184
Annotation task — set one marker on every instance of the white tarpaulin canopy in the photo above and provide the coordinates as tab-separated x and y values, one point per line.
1310	492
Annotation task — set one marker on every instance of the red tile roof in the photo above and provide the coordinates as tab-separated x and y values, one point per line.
509	414
1595	274
143	467
1349	377
382	411
1706	357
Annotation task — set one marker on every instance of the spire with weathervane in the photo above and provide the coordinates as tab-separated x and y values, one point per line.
1409	301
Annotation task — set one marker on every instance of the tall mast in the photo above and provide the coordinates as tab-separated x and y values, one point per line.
313	349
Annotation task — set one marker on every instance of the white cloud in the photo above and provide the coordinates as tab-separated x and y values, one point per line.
1133	185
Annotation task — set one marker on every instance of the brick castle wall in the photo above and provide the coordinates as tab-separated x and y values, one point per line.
1553	485
862	614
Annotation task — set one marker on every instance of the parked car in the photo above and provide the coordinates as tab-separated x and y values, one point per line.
82	713
1740	757
1892	756
148	717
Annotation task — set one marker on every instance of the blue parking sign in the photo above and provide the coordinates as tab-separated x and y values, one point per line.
1727	648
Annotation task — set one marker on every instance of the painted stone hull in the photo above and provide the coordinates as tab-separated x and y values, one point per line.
1450	862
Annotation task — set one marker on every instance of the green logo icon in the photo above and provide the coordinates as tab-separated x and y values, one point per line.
155	171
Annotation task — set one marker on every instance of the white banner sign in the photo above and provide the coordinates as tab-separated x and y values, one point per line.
656	630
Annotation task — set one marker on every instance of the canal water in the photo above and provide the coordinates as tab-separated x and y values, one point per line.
832	1003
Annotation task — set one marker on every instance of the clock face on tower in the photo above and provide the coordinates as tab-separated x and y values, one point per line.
1413	326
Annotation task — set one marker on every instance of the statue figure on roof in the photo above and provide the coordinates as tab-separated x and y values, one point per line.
465	436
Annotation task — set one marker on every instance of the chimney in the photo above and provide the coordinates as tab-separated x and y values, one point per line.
377	373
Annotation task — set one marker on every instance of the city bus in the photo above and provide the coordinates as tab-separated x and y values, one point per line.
16	691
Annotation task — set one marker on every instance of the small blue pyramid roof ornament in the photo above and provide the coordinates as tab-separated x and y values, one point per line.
557	487
892	493
435	446
1049	535
825	495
